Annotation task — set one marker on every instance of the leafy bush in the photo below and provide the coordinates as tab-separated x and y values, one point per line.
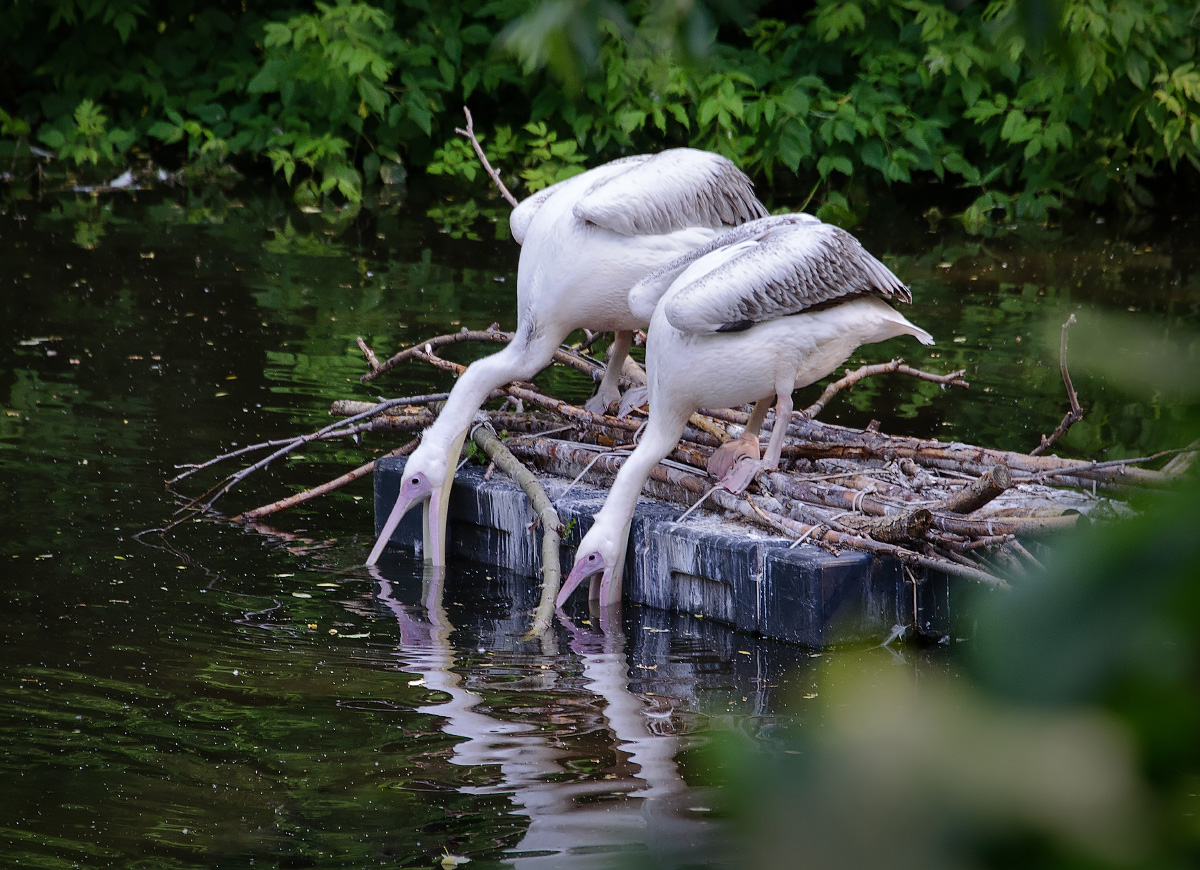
1026	105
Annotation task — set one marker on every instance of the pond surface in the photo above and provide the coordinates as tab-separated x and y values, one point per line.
221	697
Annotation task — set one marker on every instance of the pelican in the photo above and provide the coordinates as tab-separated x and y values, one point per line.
773	305
584	242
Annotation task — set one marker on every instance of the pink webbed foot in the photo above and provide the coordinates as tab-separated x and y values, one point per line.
601	402
738	478
725	457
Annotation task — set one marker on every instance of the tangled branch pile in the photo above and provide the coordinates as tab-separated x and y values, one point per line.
964	510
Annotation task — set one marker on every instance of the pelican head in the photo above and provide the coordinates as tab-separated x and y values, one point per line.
427	480
603	553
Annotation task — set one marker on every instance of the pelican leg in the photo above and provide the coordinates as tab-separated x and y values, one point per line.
725	457
608	393
783	416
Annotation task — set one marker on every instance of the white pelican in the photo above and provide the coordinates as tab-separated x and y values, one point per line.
584	242
771	306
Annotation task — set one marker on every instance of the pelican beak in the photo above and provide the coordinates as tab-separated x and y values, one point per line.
583	568
412	491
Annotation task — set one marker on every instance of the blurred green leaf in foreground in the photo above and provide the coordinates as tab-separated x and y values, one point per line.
1068	738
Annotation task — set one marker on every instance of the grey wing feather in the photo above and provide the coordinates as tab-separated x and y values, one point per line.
797	264
669	191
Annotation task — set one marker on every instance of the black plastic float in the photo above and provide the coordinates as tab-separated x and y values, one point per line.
706	566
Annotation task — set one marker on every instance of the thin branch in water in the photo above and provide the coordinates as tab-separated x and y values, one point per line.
333	430
192	468
373	410
329	486
1074	413
489	442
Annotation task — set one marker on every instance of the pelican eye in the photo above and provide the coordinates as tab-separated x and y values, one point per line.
415	481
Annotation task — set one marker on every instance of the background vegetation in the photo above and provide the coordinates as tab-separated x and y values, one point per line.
1028	106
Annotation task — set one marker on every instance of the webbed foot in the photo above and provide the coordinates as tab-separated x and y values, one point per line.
725	457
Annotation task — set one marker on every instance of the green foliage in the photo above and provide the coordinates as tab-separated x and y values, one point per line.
1027	106
84	137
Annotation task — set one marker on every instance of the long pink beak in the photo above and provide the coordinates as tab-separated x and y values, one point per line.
409	495
581	571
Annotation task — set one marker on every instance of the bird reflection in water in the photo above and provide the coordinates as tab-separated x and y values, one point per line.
638	802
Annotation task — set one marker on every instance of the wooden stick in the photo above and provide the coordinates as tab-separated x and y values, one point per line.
470	134
977	493
826	439
847	498
329	486
830	440
489	442
575	360
364	411
437	341
333	430
897	365
560	451
893	528
1074	413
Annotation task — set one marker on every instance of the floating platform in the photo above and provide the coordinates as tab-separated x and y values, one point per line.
706	566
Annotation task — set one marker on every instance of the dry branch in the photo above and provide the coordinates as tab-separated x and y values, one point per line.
949	507
562	455
897	365
323	489
484	436
1074	413
826	439
469	133
977	493
378	368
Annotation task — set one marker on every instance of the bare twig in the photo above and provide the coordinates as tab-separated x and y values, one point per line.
379	368
566	356
897	365
330	486
470	134
333	430
1075	413
1183	460
827	439
489	442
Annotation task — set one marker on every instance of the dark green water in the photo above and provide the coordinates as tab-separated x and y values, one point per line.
218	697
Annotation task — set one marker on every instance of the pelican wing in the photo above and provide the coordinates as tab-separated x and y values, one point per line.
522	215
772	268
668	191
